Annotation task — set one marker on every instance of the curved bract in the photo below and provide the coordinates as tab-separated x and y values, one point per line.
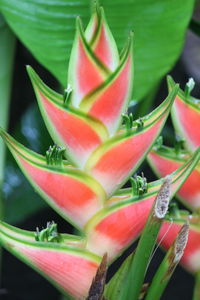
67	265
186	116
164	161
73	193
113	228
116	159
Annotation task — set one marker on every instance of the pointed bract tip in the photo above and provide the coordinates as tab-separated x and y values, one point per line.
181	242
128	47
31	72
163	198
102	13
130	39
28	67
170	79
79	25
95	6
173	91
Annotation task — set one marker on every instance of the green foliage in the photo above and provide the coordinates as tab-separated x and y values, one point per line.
7	46
116	286
47	27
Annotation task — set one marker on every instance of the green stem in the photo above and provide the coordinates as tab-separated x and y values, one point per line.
7	47
196	295
142	257
168	265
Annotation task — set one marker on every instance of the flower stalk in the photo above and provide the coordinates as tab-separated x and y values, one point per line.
168	265
147	241
7	50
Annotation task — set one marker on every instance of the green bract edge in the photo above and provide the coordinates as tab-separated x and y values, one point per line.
82	177
30	235
113	44
59	102
90	96
95	13
54	247
73	56
119	138
170	153
190	101
34	77
96	125
91	54
8	139
155	185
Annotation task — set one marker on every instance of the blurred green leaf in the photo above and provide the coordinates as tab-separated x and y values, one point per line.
20	199
7	50
115	288
7	47
47	29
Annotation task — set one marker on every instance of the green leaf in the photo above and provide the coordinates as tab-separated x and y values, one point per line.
144	250
115	288
7	47
49	26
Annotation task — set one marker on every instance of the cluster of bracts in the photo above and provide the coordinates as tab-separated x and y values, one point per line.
98	147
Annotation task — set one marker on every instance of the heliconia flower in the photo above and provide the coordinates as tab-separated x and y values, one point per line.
186	116
110	160
66	264
103	147
71	192
169	230
165	160
63	259
122	220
